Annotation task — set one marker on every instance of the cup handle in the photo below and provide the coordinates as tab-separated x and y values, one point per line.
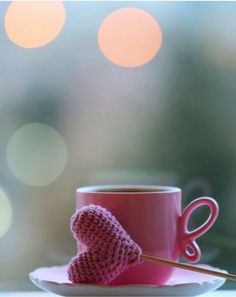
188	246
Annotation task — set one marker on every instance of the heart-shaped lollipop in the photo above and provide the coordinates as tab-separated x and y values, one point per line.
109	248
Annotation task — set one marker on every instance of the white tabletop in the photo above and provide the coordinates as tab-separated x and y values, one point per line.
218	293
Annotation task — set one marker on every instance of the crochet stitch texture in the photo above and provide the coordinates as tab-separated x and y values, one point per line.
109	248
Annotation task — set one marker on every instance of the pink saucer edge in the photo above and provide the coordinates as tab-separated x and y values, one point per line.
47	274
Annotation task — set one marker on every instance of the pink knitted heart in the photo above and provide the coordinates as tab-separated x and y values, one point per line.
110	250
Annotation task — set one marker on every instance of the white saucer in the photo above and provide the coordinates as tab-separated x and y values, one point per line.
182	283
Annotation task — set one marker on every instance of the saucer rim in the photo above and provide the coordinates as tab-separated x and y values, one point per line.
33	278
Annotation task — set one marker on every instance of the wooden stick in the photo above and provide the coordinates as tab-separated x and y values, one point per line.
229	276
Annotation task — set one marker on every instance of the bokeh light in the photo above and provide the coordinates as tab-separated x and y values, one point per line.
33	24
36	154
5	213
130	37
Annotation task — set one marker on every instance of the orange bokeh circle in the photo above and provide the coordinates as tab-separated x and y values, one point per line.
129	37
33	24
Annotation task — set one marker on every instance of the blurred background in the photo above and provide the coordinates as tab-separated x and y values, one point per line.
70	117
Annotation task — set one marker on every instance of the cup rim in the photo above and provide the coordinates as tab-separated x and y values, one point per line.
107	189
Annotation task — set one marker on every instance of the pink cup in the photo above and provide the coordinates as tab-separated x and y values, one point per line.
152	216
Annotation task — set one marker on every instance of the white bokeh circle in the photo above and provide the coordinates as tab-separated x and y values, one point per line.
36	154
5	213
